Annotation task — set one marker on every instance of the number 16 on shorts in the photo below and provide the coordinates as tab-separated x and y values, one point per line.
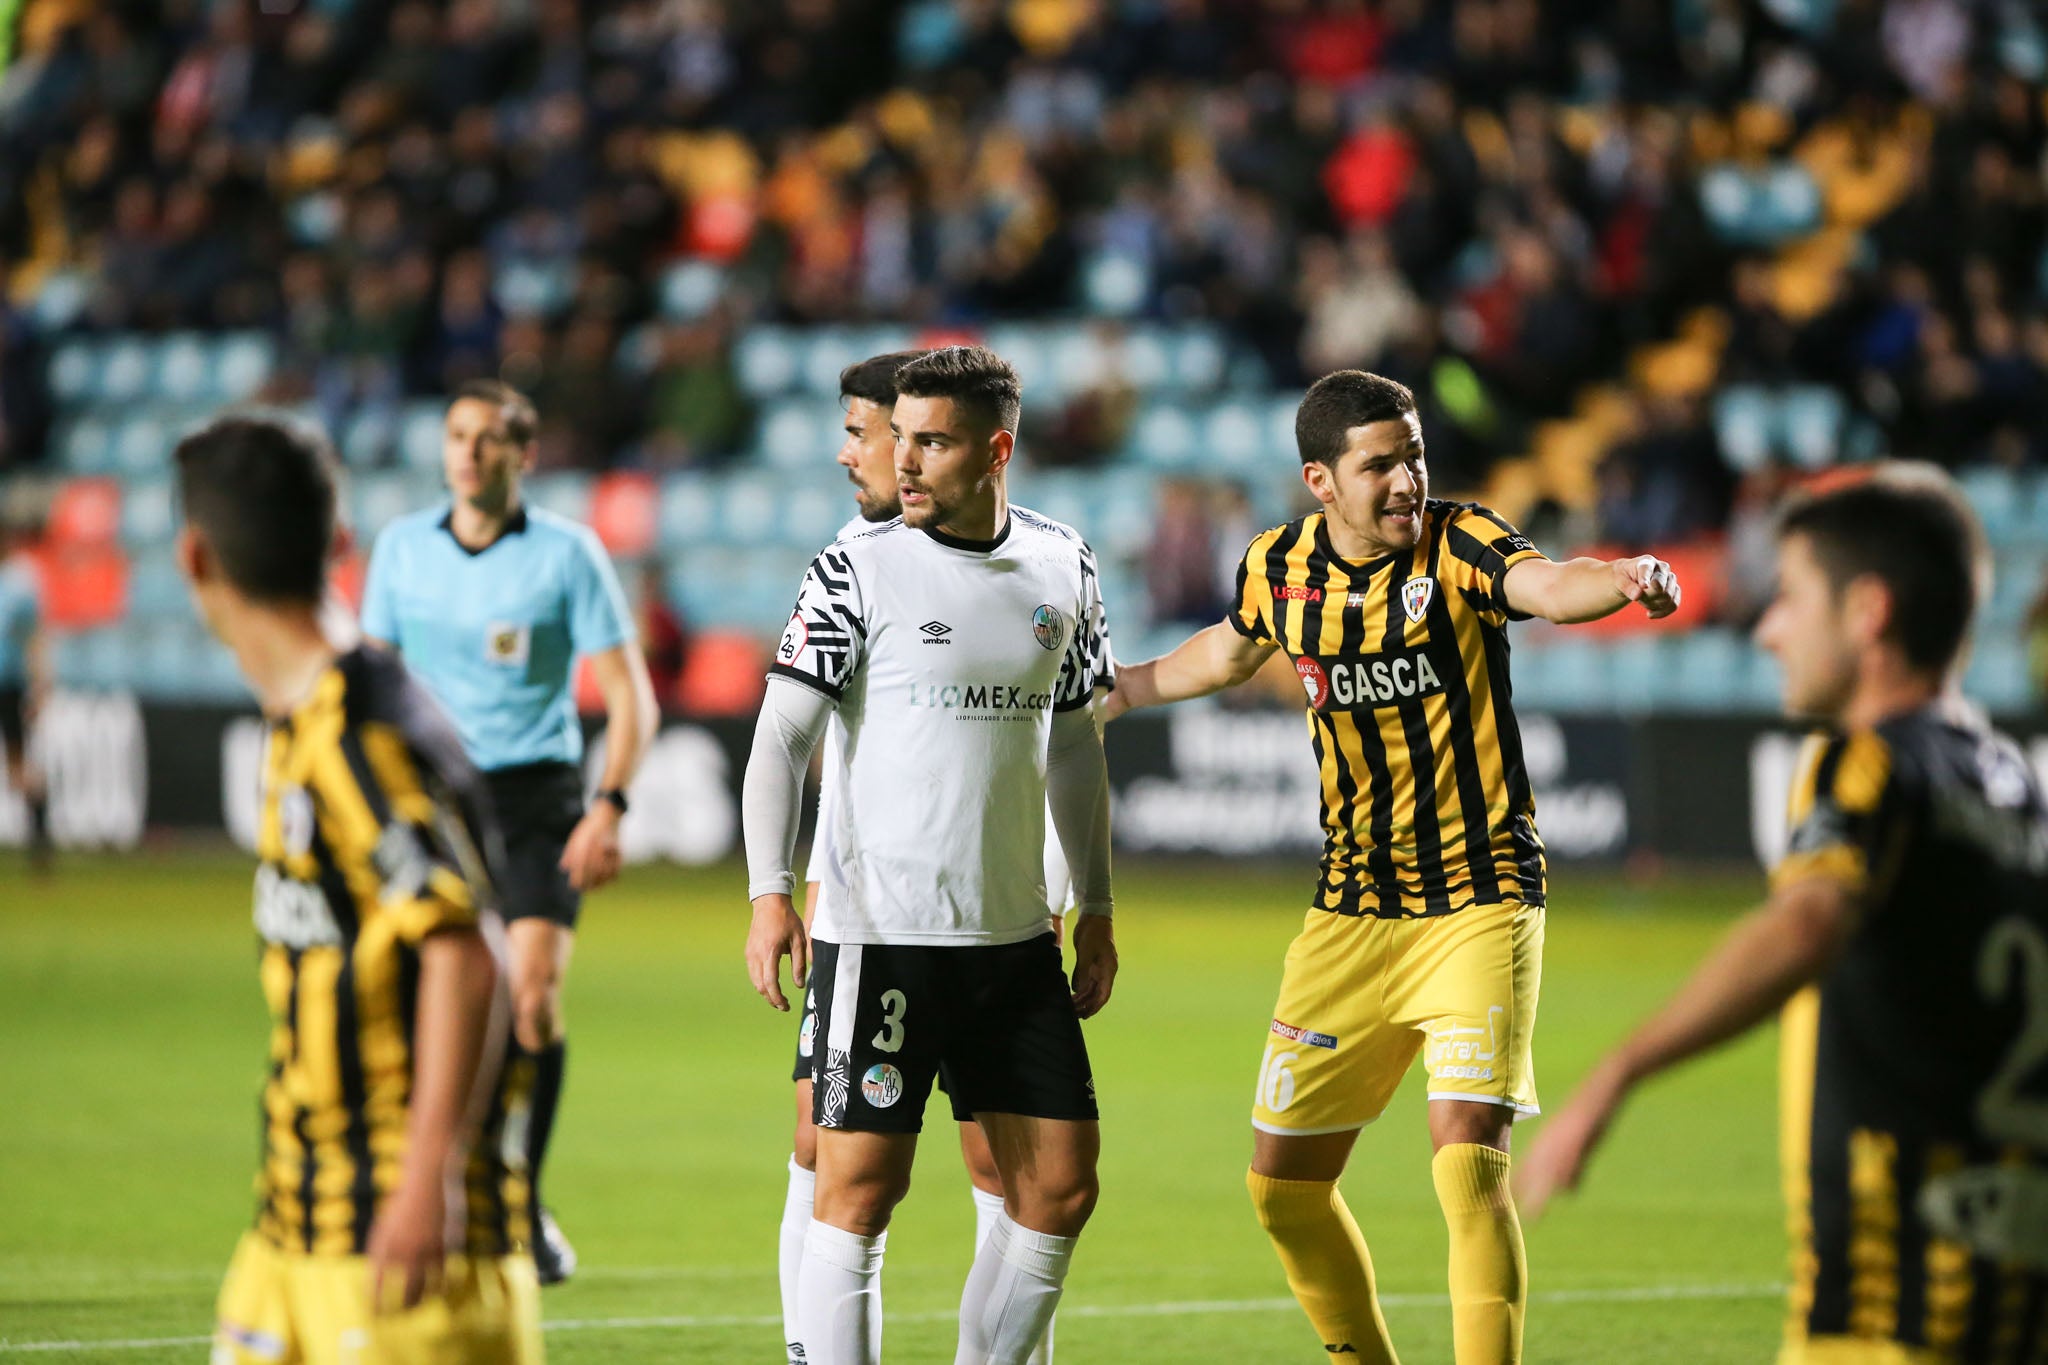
1276	1079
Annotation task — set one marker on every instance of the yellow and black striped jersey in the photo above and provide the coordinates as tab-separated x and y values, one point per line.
374	834
1426	803
1915	1074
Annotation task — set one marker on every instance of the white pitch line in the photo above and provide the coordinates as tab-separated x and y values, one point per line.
1190	1308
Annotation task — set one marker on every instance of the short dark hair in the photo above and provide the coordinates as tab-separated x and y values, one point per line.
522	419
263	494
974	377
875	378
1919	539
1338	402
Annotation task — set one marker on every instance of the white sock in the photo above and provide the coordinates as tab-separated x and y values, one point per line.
987	1208
1011	1294
796	1221
839	1296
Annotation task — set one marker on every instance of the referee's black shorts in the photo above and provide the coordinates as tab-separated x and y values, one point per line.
538	806
13	721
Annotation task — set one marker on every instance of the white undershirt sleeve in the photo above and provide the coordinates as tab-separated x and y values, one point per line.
1077	793
821	833
793	717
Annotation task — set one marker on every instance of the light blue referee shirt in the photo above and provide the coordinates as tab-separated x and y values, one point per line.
494	633
21	610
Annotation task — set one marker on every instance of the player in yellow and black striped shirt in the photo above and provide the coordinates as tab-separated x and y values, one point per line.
1906	941
1426	931
390	1226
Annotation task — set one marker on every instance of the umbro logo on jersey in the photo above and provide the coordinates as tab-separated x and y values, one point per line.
936	633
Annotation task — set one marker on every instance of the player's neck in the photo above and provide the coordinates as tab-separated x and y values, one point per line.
982	519
1885	688
282	652
1349	545
478	528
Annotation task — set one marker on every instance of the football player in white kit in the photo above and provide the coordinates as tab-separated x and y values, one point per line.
867	390
960	647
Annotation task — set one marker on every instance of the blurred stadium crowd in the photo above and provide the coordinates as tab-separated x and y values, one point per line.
1646	262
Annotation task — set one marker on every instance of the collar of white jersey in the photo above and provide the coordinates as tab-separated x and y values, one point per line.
978	547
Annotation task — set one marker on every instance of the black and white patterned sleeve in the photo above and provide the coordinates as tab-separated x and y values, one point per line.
826	639
1088	663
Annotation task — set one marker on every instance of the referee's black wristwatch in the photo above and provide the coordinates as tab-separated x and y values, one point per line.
617	797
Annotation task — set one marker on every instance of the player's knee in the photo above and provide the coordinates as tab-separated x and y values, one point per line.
1454	1122
1283	1205
1061	1209
863	1205
804	1146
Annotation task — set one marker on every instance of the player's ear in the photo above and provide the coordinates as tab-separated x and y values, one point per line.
1000	447
1321	481
1867	609
194	556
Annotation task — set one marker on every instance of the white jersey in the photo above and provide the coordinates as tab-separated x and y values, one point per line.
947	660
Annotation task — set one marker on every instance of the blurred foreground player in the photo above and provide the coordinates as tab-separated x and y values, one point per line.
1905	942
933	939
1426	934
867	391
391	1226
491	603
24	679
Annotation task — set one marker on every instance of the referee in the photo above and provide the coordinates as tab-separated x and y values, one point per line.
491	602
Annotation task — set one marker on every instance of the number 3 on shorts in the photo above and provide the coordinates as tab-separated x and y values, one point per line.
894	1007
1276	1080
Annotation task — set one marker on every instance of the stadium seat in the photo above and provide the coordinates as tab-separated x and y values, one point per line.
566	493
624	508
1233	438
1742	426
1200	359
826	351
1995	494
690	289
369	437
85	513
811	515
74	374
749	507
1078	359
724	674
1115	284
1165	438
60	300
791	437
148	513
1145	358
1997	679
142	446
127	371
1707	671
242	364
90	660
767	362
1810	420
1029	355
183	369
84	585
420	429
85	445
156	591
689	510
533	288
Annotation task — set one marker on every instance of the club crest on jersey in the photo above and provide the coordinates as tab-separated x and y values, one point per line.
1416	595
1049	626
1313	681
507	644
794	637
882	1086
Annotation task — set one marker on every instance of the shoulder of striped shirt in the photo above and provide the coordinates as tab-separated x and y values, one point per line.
1045	525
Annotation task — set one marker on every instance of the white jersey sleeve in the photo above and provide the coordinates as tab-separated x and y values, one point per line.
1088	663
825	641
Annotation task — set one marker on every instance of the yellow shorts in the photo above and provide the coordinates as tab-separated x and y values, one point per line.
278	1308
1361	996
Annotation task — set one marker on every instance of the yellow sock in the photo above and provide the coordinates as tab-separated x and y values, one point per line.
1489	1269
1327	1265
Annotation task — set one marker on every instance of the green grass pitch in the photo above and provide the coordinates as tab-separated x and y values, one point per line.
131	1041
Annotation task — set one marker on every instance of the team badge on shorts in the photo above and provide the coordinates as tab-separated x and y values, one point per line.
882	1086
1049	626
1416	595
807	1036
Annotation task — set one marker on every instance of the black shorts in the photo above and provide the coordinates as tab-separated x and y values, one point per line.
538	806
997	1023
14	720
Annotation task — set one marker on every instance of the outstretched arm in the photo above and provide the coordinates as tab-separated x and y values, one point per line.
1077	791
632	718
1762	963
1577	590
1207	661
792	719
